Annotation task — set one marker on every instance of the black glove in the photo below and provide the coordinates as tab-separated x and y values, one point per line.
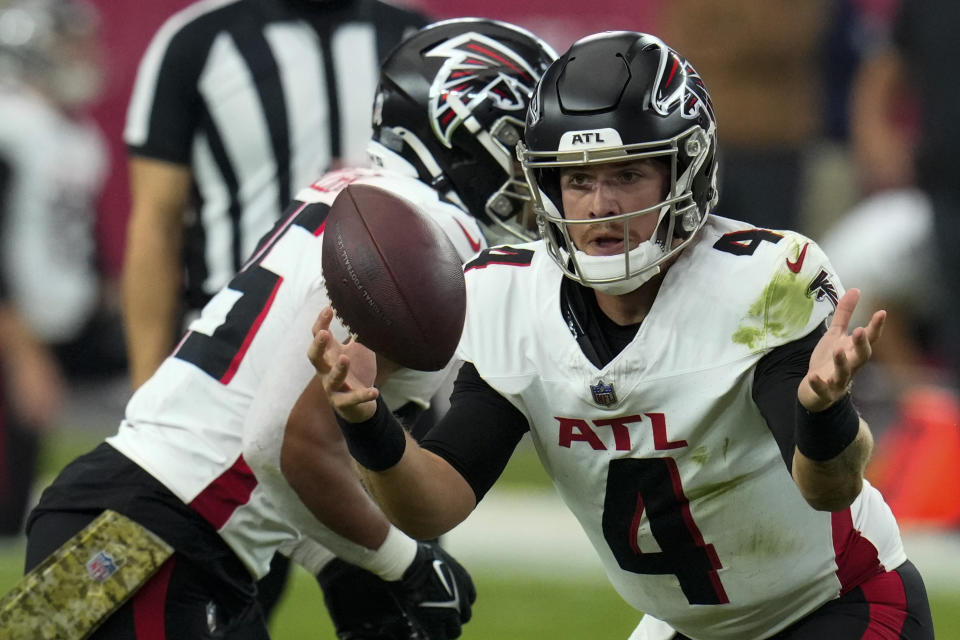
436	593
362	606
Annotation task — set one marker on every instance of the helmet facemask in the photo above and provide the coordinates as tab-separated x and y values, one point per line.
679	217
509	207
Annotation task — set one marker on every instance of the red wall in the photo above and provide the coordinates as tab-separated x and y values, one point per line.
127	28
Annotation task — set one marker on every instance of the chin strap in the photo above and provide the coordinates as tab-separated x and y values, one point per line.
626	286
607	273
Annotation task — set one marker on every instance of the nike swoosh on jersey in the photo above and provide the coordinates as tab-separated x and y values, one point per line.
474	244
796	265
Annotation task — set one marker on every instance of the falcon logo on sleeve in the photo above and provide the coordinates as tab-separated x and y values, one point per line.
477	69
822	287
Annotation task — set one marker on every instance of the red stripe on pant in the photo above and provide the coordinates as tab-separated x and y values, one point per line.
888	606
149	604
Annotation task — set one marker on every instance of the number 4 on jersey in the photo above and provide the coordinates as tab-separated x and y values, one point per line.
653	485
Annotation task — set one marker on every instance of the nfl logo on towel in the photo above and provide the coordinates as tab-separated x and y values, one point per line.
101	566
603	394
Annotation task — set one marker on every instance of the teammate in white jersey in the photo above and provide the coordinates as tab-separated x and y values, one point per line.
684	377
202	456
53	161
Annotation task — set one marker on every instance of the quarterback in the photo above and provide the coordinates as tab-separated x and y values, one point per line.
684	377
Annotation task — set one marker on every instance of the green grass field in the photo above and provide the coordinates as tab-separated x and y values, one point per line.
509	605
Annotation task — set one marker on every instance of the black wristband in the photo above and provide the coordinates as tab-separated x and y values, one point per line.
822	435
377	443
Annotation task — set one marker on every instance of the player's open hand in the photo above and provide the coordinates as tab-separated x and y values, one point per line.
839	355
347	371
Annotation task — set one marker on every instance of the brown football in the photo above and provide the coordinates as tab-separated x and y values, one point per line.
393	277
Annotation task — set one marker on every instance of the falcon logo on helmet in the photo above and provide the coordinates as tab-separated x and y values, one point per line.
477	68
677	81
450	108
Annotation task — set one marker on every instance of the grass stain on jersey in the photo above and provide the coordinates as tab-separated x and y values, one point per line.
782	310
700	455
764	542
716	489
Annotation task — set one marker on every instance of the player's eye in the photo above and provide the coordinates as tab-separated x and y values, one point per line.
576	180
631	176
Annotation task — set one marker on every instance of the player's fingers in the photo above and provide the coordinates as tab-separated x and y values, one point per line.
345	400
338	373
861	346
844	311
874	328
348	404
323	320
818	385
843	368
317	352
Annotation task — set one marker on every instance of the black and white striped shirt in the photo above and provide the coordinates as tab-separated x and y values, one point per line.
258	97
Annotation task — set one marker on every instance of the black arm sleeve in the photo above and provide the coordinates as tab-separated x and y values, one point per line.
775	382
479	433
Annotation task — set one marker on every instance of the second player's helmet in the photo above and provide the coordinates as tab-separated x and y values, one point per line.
614	97
451	102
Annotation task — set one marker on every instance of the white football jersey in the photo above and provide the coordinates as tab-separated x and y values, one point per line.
662	454
241	366
57	165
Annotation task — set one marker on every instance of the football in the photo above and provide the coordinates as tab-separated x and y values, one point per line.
393	277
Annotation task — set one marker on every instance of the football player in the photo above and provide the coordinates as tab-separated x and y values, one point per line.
53	162
202	456
684	377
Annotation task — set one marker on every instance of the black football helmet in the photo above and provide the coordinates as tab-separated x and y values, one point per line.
614	97
451	103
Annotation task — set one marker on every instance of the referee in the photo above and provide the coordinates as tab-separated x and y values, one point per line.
237	104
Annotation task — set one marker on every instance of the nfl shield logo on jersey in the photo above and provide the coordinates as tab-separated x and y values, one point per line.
603	393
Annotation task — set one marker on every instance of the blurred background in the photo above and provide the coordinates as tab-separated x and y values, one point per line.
833	120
